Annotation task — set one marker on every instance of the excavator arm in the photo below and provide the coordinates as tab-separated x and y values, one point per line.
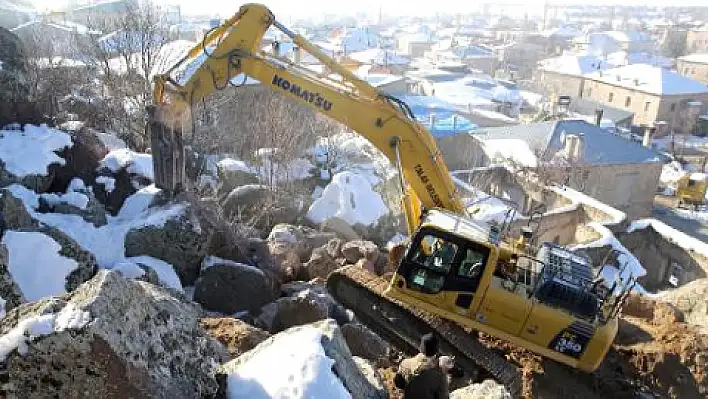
235	48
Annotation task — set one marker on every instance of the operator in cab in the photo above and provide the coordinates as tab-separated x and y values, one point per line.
424	376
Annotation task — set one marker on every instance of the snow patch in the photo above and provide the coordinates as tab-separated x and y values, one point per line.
165	271
109	183
78	200
396	240
138	202
30	152
233	165
111	141
32	328
35	264
293	365
576	197
129	270
134	162
351	198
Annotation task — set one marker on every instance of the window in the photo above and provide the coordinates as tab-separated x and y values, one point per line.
472	264
610	97
673	107
435	254
628	101
646	106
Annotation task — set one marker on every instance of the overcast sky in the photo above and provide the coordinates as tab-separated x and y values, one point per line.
301	7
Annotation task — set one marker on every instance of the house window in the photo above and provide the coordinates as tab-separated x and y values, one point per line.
610	97
646	106
628	101
673	107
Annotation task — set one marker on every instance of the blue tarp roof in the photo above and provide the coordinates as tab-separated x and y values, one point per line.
446	117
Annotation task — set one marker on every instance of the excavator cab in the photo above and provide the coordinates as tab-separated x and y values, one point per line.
546	300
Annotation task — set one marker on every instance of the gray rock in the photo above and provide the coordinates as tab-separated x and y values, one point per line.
225	244
365	343
82	159
181	242
334	347
123	189
229	287
488	389
290	312
334	247
231	179
341	228
301	238
321	264
242	200
36	183
372	376
9	291
260	206
94	213
238	336
355	250
13	214
140	342
318	294
285	262
14	83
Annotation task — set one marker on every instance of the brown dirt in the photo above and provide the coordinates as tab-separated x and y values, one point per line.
238	336
653	353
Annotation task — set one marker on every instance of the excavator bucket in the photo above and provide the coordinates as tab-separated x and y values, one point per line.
164	127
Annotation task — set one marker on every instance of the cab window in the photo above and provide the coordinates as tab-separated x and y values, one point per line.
435	254
473	263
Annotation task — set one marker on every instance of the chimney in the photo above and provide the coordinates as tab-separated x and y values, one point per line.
598	117
648	135
574	145
296	55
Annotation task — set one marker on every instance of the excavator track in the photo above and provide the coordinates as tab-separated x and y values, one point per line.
403	326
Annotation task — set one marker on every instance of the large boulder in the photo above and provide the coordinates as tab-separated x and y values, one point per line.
112	337
181	242
372	375
238	336
224	243
301	238
285	261
9	291
229	287
245	200
321	264
82	159
14	83
93	211
488	389
260	206
340	227
13	214
316	292
326	363
232	174
355	250
365	343
290	312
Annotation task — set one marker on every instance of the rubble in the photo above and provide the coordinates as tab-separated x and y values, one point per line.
122	338
365	343
290	312
9	291
320	264
488	389
358	249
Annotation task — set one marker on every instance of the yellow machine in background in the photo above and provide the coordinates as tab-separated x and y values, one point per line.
691	189
545	299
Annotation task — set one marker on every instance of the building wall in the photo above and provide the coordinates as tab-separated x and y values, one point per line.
696	41
694	70
647	108
559	84
413	49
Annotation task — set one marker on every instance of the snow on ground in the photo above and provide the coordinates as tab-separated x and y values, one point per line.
396	240
128	269
679	238
74	195
135	162
233	165
106	243
71	125
671	173
515	150
111	141
576	197
294	365
491	210
165	272
35	264
39	141
31	328
610	273
351	198
109	183
272	172
352	152
138	203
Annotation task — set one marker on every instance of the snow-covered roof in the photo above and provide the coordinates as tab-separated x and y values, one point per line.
377	56
415	38
699	58
66	26
574	65
380	79
600	147
624	58
563	31
439	117
627	36
649	79
469	88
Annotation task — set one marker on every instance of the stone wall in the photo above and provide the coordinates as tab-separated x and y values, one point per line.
657	254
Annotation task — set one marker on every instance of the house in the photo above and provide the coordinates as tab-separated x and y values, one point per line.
697	39
620	58
655	95
351	40
442	119
475	57
66	36
389	84
694	66
414	45
520	57
380	61
602	43
101	10
614	118
564	75
608	167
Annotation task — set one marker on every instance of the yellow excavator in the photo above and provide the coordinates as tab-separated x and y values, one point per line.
457	276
